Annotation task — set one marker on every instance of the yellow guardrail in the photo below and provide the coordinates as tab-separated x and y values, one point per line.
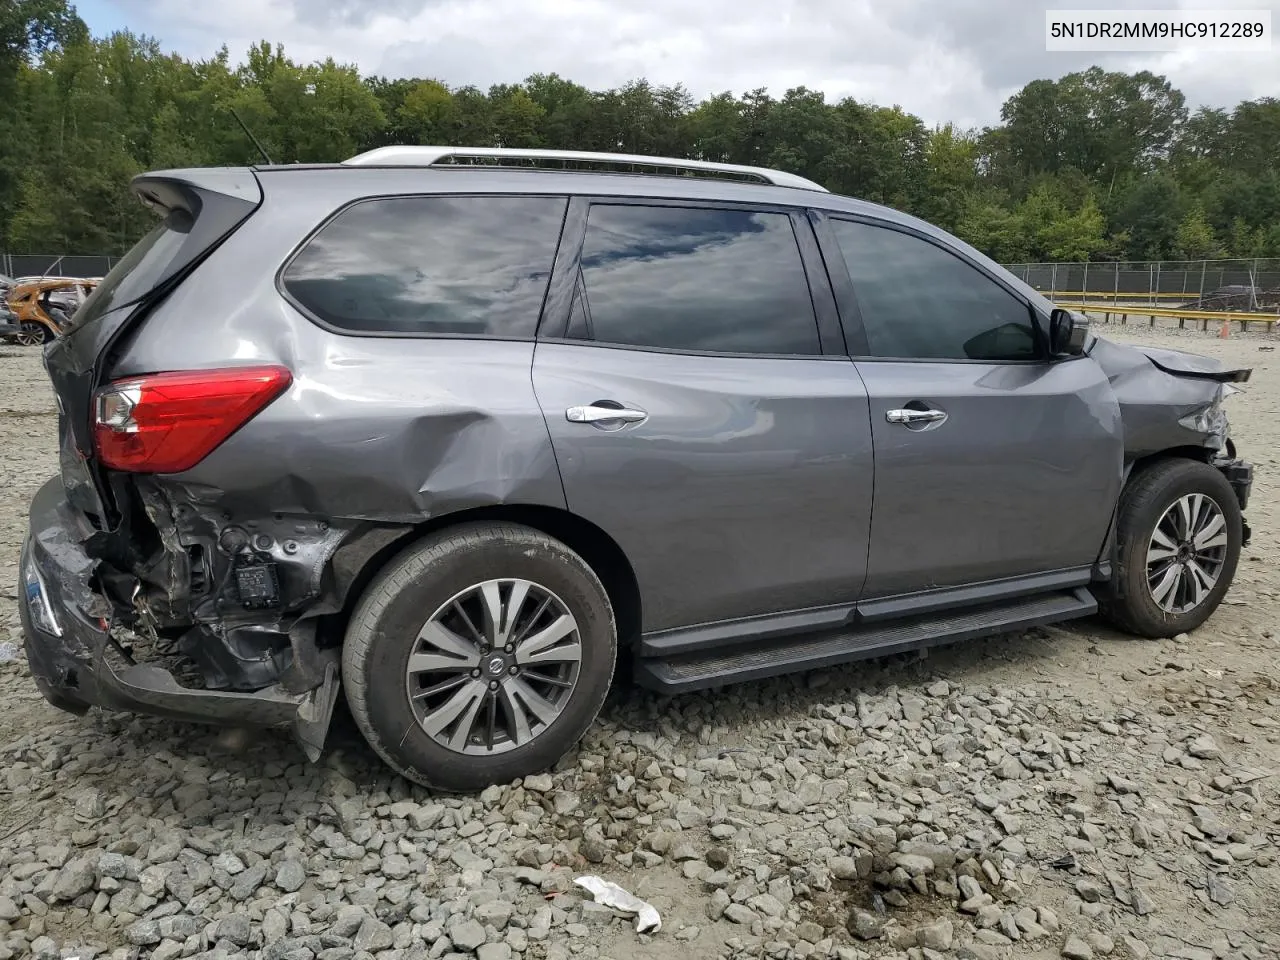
1122	297
1124	311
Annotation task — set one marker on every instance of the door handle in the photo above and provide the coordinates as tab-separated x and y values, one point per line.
909	416
598	414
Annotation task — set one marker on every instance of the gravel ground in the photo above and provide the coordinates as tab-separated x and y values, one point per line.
1061	792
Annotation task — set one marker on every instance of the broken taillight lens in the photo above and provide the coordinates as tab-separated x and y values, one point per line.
169	422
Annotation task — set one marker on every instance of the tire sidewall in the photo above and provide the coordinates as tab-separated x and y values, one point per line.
1195	478
427	582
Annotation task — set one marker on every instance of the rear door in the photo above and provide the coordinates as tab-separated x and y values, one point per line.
702	408
991	461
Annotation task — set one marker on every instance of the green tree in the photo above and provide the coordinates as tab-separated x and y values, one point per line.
1095	164
1147	211
1195	239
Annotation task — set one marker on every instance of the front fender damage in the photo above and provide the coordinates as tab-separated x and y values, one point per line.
1168	399
1171	400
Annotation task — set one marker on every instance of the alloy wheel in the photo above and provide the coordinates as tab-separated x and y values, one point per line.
1186	553
494	667
30	334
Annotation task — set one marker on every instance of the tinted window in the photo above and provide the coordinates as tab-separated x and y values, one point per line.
433	265
919	301
686	278
139	270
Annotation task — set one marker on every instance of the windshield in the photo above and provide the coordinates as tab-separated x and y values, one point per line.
139	271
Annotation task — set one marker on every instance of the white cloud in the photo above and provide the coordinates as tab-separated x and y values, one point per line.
944	60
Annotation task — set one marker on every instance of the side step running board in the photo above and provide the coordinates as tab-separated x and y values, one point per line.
789	654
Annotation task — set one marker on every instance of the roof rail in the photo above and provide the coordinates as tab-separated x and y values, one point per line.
413	156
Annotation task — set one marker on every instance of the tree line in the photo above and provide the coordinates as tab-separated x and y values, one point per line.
1096	166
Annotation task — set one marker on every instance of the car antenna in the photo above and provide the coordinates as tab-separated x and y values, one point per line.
249	133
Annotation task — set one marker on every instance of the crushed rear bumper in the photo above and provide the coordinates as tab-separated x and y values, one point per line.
76	664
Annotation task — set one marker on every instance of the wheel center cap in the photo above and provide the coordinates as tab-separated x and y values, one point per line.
496	666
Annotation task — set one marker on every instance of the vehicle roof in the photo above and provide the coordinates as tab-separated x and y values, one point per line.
452	178
50	283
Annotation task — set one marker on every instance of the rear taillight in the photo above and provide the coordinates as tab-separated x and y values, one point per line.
169	422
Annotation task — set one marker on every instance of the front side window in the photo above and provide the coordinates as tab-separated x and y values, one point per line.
921	302
694	279
462	266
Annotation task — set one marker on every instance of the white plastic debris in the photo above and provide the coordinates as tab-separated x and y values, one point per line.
609	894
8	652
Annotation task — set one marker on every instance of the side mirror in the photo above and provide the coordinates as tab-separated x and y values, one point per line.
1068	333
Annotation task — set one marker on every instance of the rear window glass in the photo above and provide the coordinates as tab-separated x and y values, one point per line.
461	266
139	270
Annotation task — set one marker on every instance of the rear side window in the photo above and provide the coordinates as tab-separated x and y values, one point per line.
694	279
461	266
921	302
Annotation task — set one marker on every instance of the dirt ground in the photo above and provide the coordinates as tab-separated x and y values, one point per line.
742	815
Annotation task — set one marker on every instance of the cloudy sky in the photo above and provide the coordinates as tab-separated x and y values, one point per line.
944	60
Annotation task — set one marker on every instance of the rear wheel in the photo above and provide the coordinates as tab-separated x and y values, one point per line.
480	654
32	334
1179	529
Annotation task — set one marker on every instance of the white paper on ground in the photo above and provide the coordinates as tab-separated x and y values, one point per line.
609	894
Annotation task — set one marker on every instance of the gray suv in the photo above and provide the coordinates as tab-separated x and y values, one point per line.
457	432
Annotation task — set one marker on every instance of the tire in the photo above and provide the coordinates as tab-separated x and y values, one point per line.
1143	504
416	592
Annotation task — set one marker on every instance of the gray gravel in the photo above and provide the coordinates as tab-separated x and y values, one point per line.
1058	793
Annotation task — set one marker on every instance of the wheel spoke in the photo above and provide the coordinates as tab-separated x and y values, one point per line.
1188	507
1200	581
559	628
441	687
561	653
1212	534
542	608
516	717
1158	551
532	701
492	725
434	634
511	612
458	609
462	704
434	662
532	676
1163	592
491	604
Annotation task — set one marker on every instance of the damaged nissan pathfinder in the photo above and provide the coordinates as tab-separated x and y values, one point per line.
454	432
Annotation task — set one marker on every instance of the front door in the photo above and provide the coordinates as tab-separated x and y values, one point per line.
695	416
991	461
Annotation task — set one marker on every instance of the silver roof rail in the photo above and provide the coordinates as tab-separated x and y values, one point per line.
412	156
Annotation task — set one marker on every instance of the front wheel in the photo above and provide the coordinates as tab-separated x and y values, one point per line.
480	654
1179	531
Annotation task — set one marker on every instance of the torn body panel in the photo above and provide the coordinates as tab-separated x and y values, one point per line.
1168	399
78	646
240	595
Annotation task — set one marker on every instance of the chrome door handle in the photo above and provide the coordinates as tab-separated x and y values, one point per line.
914	416
597	414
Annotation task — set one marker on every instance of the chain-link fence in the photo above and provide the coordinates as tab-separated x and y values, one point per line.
1252	285
39	265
